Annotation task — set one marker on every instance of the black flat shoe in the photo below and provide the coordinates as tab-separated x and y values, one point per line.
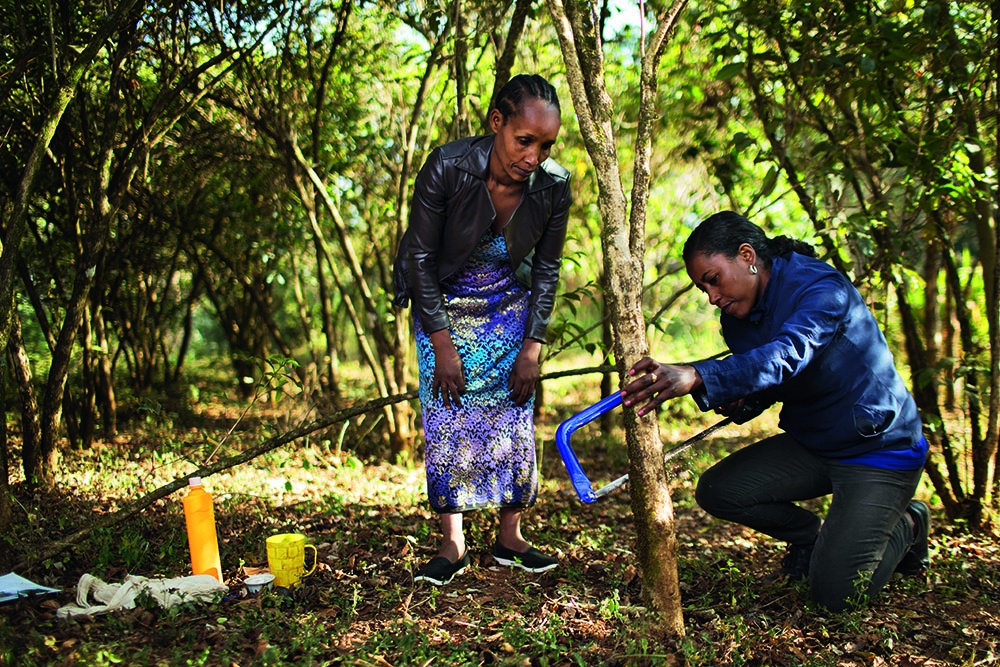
440	571
795	562
531	560
917	560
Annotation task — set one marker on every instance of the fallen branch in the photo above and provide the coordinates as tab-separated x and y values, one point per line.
56	547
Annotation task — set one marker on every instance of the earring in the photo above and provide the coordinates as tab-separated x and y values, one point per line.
753	269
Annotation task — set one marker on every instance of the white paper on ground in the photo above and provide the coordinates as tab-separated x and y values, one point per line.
13	586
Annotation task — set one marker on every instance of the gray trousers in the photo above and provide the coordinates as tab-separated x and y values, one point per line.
865	533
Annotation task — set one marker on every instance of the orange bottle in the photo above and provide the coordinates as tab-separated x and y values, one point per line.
199	514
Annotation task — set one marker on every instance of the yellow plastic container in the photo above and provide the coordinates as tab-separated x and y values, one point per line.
286	558
199	515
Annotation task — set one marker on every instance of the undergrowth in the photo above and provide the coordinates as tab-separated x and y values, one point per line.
372	528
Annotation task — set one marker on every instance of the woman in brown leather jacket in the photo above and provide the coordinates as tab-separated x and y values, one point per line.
480	262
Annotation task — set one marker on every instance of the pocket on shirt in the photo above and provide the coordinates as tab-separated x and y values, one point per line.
874	411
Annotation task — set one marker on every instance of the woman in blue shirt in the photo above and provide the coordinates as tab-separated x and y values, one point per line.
801	335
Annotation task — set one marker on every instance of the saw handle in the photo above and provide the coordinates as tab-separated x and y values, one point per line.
581	484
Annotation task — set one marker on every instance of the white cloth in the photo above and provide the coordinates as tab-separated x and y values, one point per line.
167	593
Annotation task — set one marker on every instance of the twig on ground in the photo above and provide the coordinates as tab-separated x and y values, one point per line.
56	547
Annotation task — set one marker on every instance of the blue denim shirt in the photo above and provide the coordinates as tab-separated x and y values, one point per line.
812	344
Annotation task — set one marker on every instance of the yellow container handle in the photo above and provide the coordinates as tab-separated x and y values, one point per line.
315	559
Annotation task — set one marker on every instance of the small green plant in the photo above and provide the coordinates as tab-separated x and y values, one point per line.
611	607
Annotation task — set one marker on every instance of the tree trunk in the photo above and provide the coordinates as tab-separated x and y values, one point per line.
6	505
948	487
330	366
977	502
31	428
55	387
88	373
104	386
624	245
172	375
380	359
987	227
993	308
948	342
607	343
932	300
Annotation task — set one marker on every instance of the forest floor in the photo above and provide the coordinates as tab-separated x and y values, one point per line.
371	526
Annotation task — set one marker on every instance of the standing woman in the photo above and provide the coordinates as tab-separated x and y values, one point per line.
480	262
801	334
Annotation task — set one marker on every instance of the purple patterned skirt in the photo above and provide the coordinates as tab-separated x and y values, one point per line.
482	454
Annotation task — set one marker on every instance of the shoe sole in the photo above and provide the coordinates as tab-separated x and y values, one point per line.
506	562
440	582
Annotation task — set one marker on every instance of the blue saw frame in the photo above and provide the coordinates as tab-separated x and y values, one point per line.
581	483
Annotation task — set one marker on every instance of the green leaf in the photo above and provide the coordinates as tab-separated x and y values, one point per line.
730	71
741	141
770	180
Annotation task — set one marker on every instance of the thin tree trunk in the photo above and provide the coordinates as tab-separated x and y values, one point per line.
399	357
982	454
508	50
311	189
948	488
331	360
623	244
993	309
55	387
104	385
172	375
460	74
31	428
932	298
88	372
6	504
948	341
401	440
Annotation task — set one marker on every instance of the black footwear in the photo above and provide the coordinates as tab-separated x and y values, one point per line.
917	560
531	560
795	563
439	571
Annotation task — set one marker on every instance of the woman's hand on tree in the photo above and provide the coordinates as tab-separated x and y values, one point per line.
656	382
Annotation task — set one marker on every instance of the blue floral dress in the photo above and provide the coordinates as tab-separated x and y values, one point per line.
481	454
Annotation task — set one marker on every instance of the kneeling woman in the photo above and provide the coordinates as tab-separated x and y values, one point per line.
801	334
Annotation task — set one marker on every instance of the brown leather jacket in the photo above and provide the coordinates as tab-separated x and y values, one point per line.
451	210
